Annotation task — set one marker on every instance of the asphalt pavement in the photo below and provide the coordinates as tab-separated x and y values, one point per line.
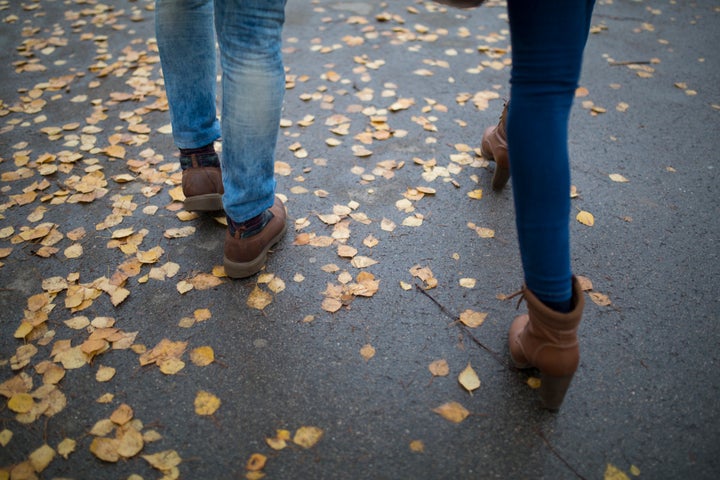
126	354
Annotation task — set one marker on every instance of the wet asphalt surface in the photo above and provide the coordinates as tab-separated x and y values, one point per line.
82	76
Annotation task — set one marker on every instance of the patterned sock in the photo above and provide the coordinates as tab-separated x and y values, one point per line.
250	227
201	157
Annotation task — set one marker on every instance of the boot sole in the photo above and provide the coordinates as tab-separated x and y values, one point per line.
209	202
248	269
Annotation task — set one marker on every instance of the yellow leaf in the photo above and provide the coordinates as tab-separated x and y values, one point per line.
23	330
439	368
150	256
102	427
367	352
5	437
164	461
586	218
468	282
202	314
184	287
122	415
21	403
417	446
115	151
472	319
202	356
616	177
533	382
614	473
131	443
104	374
469	379
452	411
259	298
171	366
105	449
206	403
476	194
66	447
256	462
307	437
73	251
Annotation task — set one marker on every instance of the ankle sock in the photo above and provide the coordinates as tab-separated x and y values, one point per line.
205	156
250	227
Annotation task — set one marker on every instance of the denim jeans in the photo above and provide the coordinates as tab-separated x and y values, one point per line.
548	40
249	34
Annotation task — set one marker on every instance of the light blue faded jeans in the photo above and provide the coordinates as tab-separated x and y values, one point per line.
548	40
249	34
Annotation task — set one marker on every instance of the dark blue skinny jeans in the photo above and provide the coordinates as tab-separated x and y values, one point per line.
548	39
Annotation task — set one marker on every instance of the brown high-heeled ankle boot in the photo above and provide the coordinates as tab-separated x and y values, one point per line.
547	340
494	147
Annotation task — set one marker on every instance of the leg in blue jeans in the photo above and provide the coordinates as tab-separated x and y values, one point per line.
186	41
548	40
253	83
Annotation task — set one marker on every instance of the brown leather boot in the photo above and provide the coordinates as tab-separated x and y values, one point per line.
494	147
547	340
202	186
245	250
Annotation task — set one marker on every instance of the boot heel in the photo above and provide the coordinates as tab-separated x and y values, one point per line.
553	389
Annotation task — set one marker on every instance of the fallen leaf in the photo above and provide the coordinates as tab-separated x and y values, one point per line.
472	319
122	415
417	446
439	368
452	411
131	443
66	447
104	374
256	462
469	379
206	403
164	461
259	299
614	473
202	356
105	449
307	437
586	218
21	403
367	352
